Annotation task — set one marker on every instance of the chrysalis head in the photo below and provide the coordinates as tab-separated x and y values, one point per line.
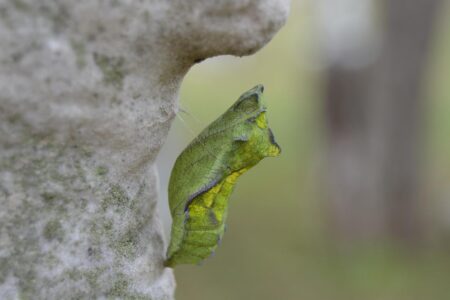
253	100
256	138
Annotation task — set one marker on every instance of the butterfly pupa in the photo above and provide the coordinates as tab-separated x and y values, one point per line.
205	173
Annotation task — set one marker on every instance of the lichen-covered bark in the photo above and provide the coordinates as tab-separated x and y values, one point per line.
88	91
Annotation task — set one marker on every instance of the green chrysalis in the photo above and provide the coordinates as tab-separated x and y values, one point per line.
204	175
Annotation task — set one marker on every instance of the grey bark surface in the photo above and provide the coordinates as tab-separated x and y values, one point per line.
374	118
88	90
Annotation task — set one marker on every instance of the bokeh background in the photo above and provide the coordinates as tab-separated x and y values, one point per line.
358	204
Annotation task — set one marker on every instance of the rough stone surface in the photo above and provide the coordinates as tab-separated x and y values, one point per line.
88	91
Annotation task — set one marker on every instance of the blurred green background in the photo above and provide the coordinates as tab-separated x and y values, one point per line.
279	244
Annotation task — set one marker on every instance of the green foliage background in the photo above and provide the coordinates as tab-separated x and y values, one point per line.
277	245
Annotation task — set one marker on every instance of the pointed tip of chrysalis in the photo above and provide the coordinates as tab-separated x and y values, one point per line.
259	88
251	100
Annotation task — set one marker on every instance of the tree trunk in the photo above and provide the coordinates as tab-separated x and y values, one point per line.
374	119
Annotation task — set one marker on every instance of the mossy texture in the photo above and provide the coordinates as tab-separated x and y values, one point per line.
112	69
88	91
109	227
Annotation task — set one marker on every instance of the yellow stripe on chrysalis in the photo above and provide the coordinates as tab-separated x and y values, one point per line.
261	120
